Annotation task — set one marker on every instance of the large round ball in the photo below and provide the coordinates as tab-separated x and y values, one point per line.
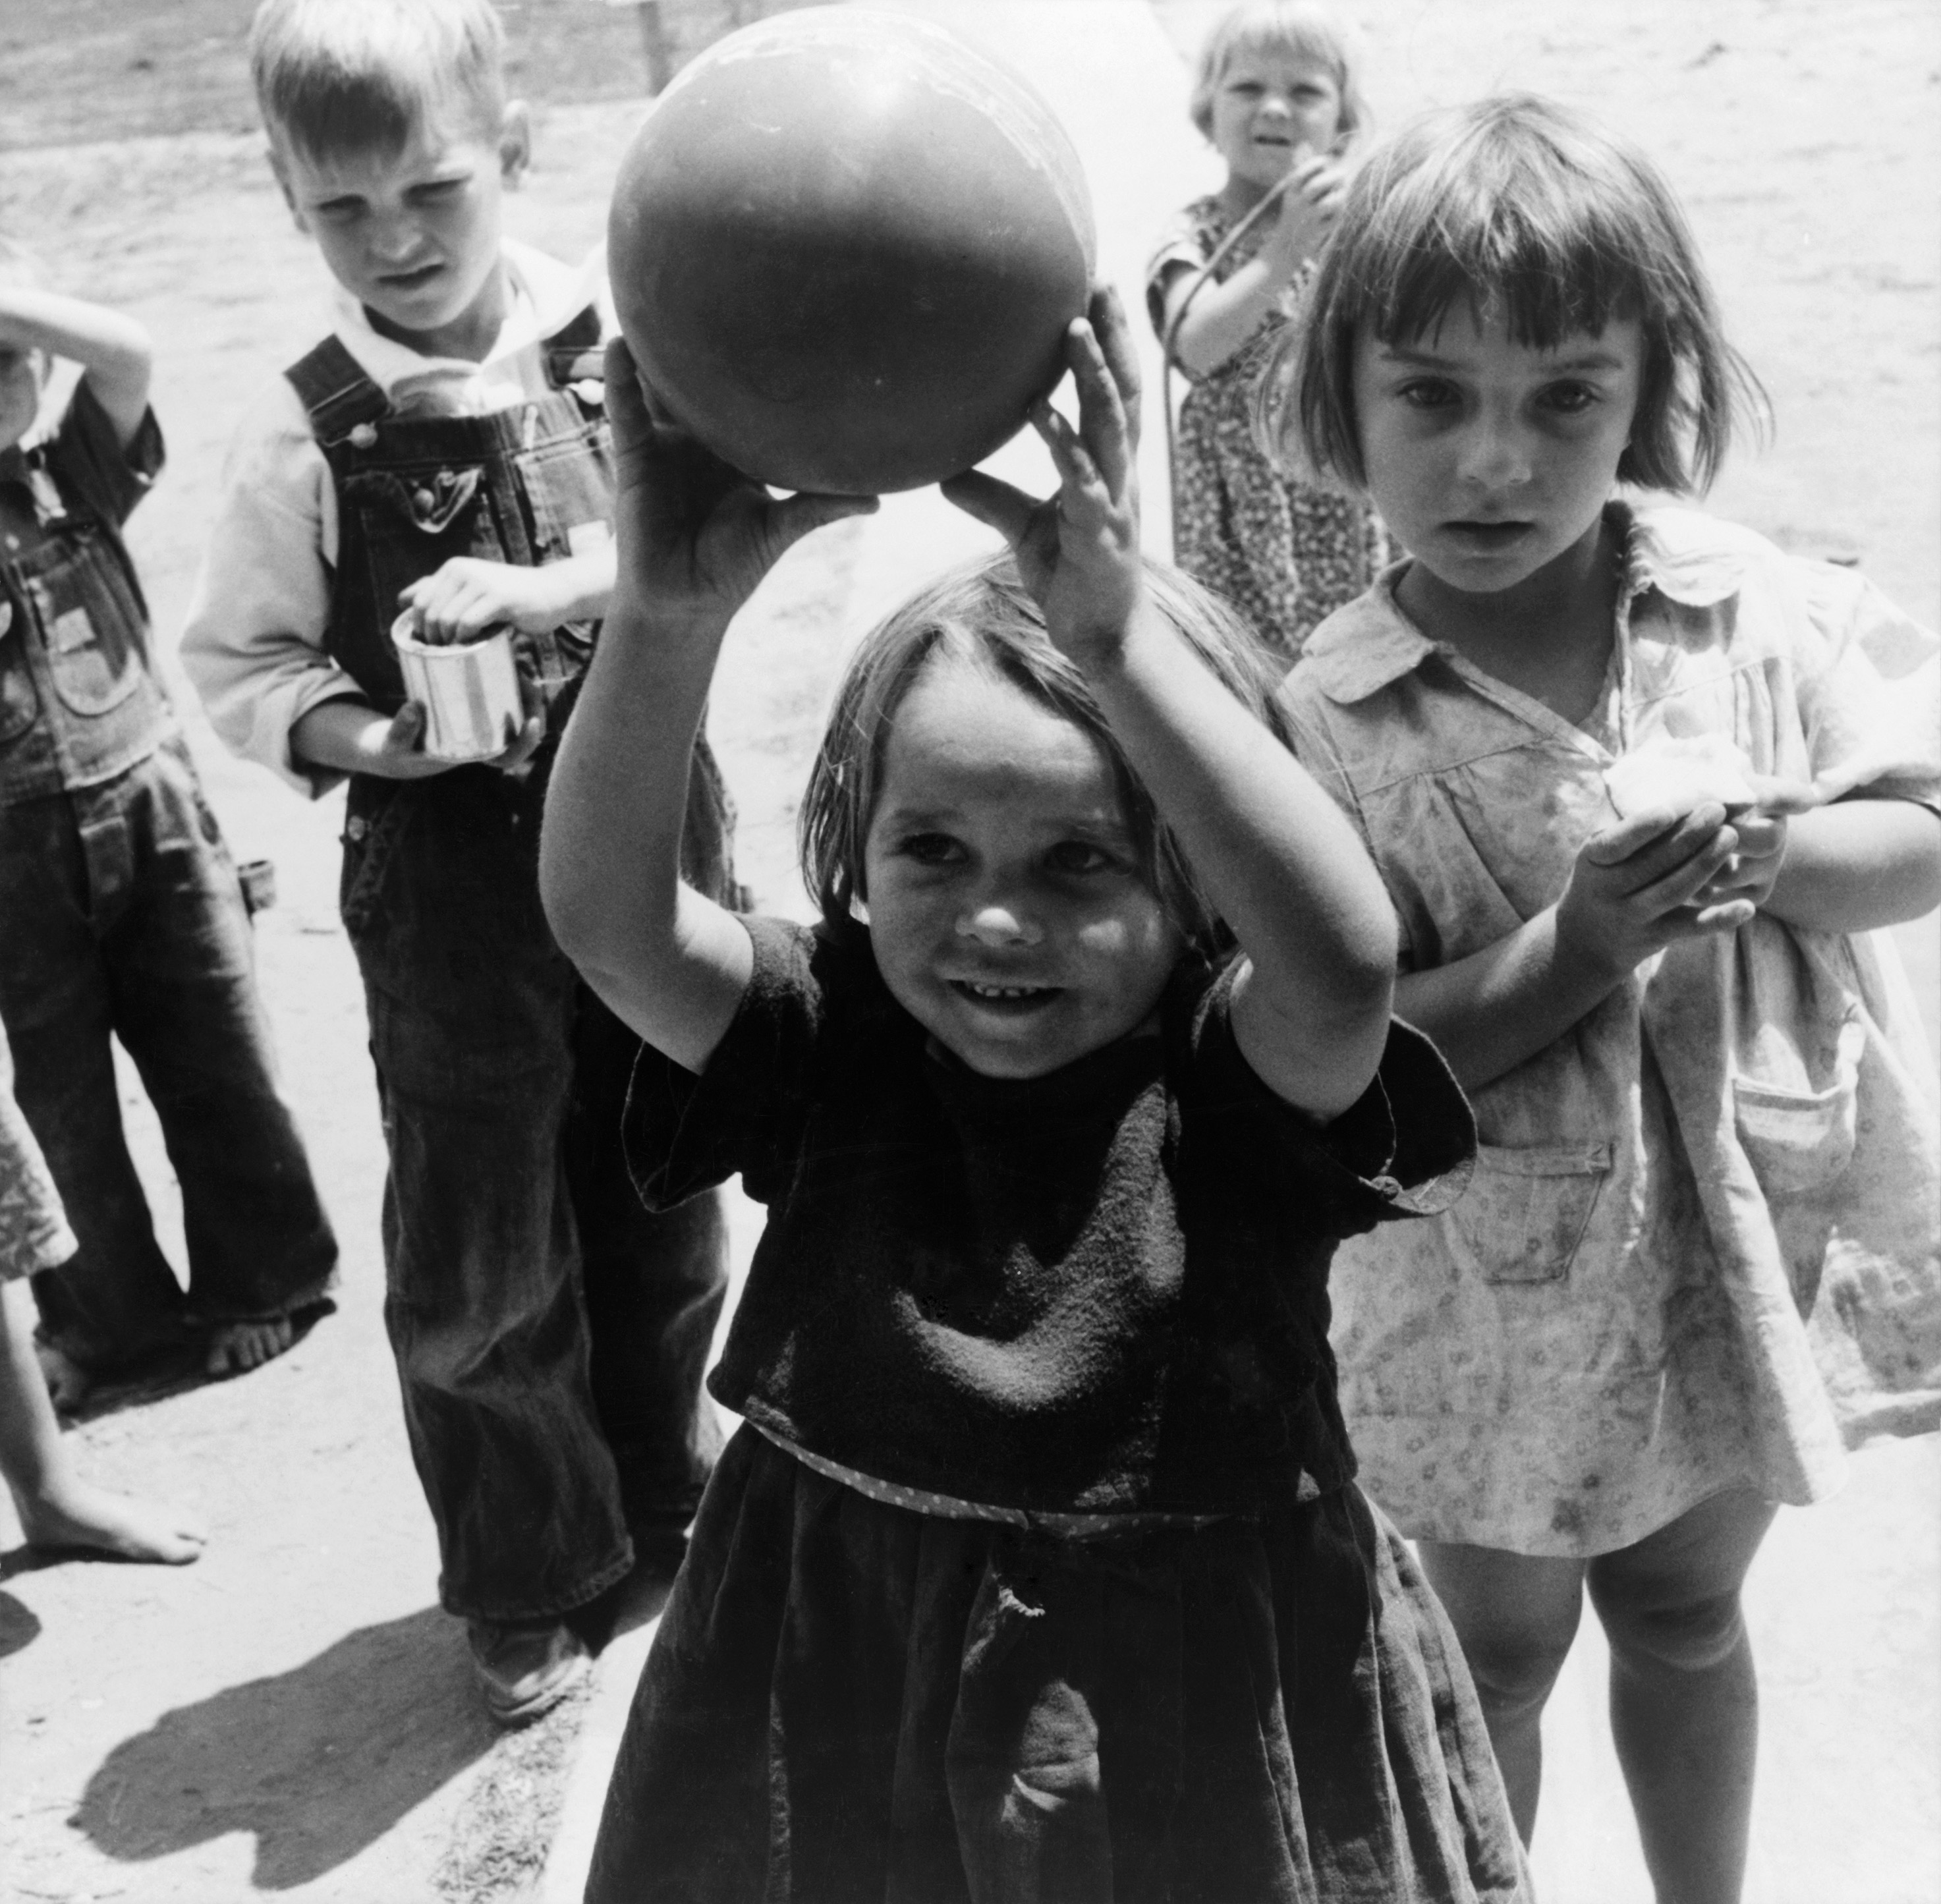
845	248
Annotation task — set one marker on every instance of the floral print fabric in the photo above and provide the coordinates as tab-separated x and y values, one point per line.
1700	1249
1287	554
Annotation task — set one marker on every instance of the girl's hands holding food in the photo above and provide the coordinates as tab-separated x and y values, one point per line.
1078	552
695	536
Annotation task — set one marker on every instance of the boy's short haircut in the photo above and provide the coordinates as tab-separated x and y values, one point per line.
352	76
982	610
1296	26
1517	208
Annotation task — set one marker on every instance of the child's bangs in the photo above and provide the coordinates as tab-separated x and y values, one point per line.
983	608
1550	264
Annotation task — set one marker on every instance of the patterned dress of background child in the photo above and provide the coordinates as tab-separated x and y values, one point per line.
1288	554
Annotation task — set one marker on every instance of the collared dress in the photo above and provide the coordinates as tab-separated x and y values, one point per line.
1286	553
1700	1250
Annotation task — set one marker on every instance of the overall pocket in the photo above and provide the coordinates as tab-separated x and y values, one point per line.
92	622
1525	1210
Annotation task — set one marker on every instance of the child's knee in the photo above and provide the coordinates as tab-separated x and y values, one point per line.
1687	1635
1514	1669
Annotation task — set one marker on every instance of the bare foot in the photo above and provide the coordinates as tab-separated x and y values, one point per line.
235	1348
69	1383
83	1515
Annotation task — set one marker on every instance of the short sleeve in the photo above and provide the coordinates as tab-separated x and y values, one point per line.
1405	1148
111	477
1183	246
1871	699
683	1133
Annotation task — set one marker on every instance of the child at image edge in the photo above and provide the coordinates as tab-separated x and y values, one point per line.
1036	1569
1277	93
445	447
121	911
59	1511
1699	1247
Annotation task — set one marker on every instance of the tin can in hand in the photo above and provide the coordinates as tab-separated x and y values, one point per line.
469	690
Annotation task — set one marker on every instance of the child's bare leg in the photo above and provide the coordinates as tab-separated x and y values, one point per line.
234	1348
57	1508
1516	1615
1684	1703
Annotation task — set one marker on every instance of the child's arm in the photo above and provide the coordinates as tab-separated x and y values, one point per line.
1657	876
113	351
1222	317
694	538
1857	864
1277	857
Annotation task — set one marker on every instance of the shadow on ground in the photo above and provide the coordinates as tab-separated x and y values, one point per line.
317	1763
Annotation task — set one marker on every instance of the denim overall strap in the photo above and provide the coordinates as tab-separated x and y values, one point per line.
79	700
529	484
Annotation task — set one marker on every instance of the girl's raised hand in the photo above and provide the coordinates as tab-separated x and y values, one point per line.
695	536
1310	202
1078	552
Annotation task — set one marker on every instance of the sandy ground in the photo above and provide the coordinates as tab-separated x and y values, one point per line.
294	1715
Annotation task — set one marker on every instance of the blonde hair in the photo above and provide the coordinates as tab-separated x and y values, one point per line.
982	609
1513	206
1294	26
342	76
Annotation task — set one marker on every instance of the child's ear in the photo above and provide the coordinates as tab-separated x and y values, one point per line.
515	144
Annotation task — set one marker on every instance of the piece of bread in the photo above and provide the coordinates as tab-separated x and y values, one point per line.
1680	775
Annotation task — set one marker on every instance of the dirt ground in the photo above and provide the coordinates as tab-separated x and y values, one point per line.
293	1714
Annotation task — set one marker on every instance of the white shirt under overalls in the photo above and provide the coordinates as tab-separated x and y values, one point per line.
253	642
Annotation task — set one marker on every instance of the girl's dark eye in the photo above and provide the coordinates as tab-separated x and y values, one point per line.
1080	856
1427	394
930	849
1571	399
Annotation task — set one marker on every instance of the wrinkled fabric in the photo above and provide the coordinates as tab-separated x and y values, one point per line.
550	1333
1102	1289
848	1702
124	918
1700	1249
1286	553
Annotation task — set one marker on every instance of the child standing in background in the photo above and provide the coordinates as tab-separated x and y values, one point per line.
120	912
1277	93
1037	1570
1641	786
445	447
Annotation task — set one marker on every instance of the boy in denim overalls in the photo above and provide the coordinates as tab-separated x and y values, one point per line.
445	447
120	908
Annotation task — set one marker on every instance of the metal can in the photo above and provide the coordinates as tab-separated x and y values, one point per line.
469	690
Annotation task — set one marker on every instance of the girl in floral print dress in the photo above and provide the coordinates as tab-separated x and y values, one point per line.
1641	788
1275	94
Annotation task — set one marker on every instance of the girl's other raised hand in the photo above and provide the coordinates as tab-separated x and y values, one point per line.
1310	202
1078	552
695	536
